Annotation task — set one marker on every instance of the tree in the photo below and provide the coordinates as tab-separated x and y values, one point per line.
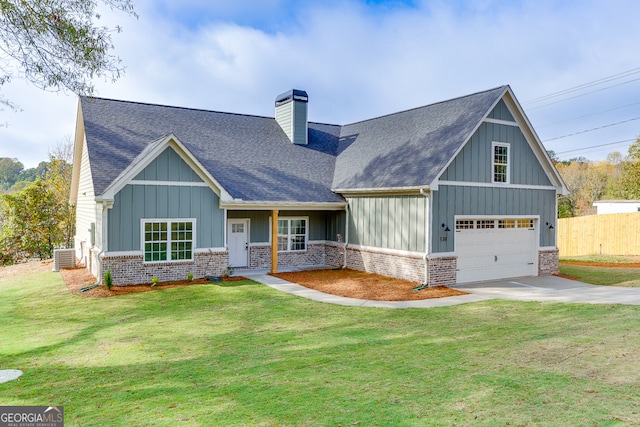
31	226
10	170
631	173
39	218
586	182
56	44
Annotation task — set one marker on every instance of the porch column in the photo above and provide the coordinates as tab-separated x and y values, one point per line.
274	241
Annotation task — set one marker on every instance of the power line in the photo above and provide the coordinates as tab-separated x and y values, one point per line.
582	94
597	146
587	115
584	85
591	130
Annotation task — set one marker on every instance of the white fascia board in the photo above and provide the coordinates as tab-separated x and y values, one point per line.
149	154
497	185
269	205
78	143
468	138
534	141
530	135
382	190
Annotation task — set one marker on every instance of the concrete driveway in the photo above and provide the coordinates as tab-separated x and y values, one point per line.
543	288
552	289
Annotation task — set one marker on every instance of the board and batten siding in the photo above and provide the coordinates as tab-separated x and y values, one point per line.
168	166
322	225
388	221
87	210
473	163
452	200
501	112
185	196
136	202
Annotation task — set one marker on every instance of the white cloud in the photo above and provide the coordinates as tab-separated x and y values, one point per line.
356	61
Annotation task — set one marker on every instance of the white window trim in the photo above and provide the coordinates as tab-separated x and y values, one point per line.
306	234
495	144
144	221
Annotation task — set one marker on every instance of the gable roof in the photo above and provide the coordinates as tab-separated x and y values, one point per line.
409	148
250	156
252	161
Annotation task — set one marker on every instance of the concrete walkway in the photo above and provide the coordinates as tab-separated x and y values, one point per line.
543	289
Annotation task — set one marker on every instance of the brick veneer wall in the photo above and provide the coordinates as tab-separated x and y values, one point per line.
320	253
442	270
130	269
401	266
548	262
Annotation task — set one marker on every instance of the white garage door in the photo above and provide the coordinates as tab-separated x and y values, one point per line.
489	249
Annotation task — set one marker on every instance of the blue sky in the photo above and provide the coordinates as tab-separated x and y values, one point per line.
362	59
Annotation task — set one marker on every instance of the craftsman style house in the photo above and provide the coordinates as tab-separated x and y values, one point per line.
456	191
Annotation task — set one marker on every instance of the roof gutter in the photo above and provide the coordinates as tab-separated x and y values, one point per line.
270	205
382	190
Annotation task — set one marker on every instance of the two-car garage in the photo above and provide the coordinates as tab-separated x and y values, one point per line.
496	248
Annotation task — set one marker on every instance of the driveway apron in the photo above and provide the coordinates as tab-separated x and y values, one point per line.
540	288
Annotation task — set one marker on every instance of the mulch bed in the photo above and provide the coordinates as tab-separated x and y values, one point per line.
79	277
366	286
347	283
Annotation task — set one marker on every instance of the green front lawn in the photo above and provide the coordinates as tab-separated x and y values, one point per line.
615	274
244	354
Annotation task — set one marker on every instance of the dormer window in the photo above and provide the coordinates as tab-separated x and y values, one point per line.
500	162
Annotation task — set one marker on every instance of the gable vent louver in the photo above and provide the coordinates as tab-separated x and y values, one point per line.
291	115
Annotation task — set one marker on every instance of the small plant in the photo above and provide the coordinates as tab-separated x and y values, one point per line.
108	280
228	271
190	277
154	281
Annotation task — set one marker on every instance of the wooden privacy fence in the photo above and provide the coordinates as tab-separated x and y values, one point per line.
610	234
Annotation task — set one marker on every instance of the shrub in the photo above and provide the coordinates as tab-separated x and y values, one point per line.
190	277
154	281
108	280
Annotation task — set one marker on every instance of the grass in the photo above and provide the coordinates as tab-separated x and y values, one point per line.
244	354
612	275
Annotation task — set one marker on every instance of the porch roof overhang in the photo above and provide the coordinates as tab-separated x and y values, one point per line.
273	205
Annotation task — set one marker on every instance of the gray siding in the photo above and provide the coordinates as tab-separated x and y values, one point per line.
136	202
450	200
473	163
393	222
501	112
284	115
300	123
322	225
168	166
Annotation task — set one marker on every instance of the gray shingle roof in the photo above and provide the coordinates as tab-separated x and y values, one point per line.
409	148
252	158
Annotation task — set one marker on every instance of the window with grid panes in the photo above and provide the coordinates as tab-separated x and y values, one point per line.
292	234
500	162
165	240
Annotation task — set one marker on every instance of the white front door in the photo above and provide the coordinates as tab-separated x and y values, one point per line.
238	239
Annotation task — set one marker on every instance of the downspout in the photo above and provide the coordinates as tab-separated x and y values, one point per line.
346	235
427	234
105	206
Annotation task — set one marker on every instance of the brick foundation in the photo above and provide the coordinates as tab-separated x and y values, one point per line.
407	267
130	269
548	262
320	253
442	270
